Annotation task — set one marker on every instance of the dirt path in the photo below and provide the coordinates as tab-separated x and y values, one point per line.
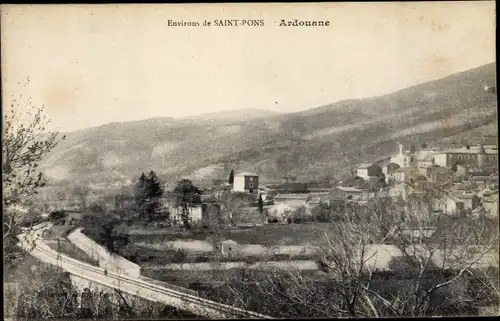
302	265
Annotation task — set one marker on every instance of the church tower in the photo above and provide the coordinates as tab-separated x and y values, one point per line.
481	157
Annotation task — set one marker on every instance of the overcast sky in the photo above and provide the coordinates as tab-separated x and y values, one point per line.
94	64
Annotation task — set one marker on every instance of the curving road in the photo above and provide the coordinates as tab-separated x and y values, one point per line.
140	287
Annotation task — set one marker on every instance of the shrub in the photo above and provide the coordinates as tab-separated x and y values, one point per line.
254	238
57	215
202	259
282	257
179	256
250	260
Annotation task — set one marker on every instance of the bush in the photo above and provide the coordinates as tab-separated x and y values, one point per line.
202	259
250	260
57	215
254	238
282	257
106	230
179	256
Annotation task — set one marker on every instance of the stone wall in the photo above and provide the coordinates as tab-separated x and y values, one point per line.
110	261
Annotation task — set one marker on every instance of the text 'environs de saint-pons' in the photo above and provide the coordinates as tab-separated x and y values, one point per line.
248	23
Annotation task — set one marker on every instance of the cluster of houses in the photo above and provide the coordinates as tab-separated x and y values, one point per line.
460	180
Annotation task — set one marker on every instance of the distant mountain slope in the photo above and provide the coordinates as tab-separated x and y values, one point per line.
328	140
233	115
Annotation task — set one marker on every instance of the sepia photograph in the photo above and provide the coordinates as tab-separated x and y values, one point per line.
249	160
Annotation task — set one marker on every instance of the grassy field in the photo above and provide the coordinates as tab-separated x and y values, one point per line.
188	278
266	235
269	235
154	257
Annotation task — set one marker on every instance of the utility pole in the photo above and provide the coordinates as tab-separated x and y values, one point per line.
59	261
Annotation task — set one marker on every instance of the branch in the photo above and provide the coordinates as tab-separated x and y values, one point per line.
440	285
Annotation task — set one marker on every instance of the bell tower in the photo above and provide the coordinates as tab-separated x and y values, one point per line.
481	157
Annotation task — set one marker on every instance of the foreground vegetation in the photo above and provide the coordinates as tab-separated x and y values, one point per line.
48	293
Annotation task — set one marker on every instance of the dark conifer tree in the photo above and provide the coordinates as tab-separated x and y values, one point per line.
148	195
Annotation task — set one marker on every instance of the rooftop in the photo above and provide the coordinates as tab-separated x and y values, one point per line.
465	195
471	150
478	209
485	178
319	194
246	174
383	161
491	198
405	170
486	192
291	196
349	189
438	170
428	157
366	165
465	186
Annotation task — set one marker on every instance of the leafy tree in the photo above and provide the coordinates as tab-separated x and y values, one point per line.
148	194
231	177
232	202
105	230
187	196
26	140
260	204
298	216
332	212
96	208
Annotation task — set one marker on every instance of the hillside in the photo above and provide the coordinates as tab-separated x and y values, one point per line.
232	115
327	140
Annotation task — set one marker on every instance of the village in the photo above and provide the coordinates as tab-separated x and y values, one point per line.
461	181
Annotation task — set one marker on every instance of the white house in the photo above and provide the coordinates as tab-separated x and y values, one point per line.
195	214
448	204
366	171
246	182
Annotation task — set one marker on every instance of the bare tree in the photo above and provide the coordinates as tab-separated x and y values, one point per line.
383	259
81	193
430	268
26	141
